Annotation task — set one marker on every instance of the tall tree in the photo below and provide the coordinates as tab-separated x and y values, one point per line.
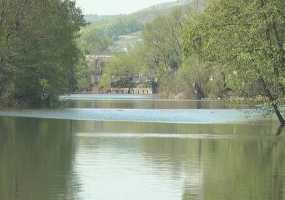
247	37
40	46
163	39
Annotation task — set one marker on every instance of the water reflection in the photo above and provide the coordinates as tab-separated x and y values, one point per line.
36	159
81	160
168	168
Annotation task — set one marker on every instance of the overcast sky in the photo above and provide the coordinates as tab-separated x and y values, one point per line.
111	7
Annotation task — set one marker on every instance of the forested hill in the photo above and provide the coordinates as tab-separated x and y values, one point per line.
104	33
149	14
144	15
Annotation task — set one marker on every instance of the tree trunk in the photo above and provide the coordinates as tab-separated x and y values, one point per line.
273	99
199	91
278	113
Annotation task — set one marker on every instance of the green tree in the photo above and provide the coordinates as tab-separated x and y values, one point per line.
163	41
163	48
123	67
39	48
247	39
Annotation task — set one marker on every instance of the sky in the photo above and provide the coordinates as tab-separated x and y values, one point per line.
112	7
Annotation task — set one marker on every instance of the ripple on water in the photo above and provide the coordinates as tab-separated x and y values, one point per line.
179	116
156	135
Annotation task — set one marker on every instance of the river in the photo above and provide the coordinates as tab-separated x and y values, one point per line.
140	148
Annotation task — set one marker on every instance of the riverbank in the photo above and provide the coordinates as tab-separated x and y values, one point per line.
237	102
230	99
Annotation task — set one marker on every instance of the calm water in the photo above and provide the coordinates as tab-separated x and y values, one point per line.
104	158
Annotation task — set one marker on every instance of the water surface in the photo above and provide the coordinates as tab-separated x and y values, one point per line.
54	159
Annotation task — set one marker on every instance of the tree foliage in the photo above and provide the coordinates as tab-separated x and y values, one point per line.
124	66
163	41
245	38
39	54
162	58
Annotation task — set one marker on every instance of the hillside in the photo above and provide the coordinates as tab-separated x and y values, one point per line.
98	18
97	37
107	34
148	14
144	15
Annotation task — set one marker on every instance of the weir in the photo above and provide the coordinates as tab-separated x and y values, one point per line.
142	91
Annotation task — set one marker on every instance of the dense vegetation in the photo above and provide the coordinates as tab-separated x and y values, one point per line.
160	57
245	39
38	52
232	48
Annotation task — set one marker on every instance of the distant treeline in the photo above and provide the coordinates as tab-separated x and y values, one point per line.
39	57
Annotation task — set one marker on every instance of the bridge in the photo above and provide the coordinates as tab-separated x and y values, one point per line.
143	91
